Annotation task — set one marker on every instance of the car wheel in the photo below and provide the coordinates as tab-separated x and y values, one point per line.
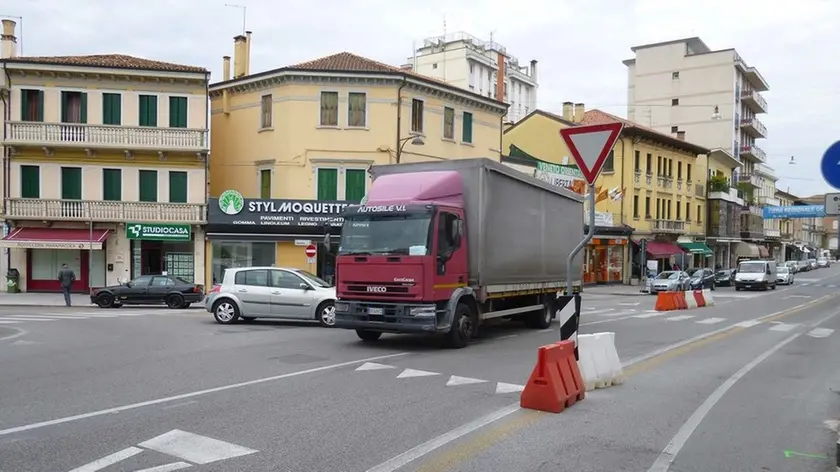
175	301
105	300
326	314
368	336
225	312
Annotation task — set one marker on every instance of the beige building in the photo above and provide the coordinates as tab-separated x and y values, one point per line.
106	158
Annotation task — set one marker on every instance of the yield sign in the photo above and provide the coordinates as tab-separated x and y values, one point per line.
590	145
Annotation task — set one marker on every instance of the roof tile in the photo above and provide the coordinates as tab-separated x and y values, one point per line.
117	61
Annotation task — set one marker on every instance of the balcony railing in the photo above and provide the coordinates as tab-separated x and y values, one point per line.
93	210
105	136
772	233
730	195
668	226
754	100
754	126
750	179
754	152
771	201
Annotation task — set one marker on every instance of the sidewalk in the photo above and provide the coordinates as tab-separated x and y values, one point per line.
56	299
619	290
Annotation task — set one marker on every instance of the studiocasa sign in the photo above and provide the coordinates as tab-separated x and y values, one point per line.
158	232
231	208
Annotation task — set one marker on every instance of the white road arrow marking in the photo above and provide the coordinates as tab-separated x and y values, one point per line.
456	380
408	373
112	459
166	467
373	366
784	327
502	387
820	332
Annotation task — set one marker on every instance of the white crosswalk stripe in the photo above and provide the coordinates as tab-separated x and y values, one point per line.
784	327
679	318
710	320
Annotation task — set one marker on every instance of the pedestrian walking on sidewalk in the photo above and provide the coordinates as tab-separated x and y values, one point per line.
66	277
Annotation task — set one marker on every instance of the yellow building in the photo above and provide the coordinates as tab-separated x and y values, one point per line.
106	164
292	146
652	187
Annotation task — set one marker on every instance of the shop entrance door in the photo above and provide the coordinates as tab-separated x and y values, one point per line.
601	260
326	261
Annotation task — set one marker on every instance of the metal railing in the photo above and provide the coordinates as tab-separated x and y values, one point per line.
756	125
94	210
668	226
95	136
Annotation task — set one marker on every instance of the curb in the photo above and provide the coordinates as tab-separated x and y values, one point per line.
156	307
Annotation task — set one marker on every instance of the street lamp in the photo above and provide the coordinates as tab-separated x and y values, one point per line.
716	113
792	161
415	141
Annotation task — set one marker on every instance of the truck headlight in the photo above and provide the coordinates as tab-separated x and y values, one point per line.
343	307
422	311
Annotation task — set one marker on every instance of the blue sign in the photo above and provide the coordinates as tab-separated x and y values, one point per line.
794	211
830	165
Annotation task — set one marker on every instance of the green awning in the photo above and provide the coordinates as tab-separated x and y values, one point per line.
697	248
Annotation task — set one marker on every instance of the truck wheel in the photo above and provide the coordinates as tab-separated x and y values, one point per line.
540	319
463	326
368	336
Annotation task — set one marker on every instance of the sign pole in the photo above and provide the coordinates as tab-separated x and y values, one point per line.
589	235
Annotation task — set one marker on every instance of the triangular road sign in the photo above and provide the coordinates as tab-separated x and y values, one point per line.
590	145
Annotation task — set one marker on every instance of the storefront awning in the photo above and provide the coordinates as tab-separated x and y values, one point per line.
747	250
763	252
55	238
659	249
697	248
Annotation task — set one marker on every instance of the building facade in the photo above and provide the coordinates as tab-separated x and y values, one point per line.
292	146
483	67
106	168
725	204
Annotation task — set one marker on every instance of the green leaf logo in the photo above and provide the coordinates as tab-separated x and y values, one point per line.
231	202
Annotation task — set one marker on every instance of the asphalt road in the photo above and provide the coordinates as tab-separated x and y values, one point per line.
744	385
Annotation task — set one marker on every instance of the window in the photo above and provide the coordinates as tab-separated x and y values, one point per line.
253	278
142	281
355	183
111	109
447	228
73	107
357	110
329	108
670	168
148	186
635	206
679	170
112	185
30	182
467	128
658	208
448	123
649	164
699	219
265	111
177	112
675	75
31	105
287	280
71	183
177	187
265	183
687	211
669	210
609	162
675	102
688	172
327	184
417	116
637	161
148	110
679	212
675	129
647	207
658	165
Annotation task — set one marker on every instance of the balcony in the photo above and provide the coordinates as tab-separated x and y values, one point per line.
772	233
102	211
83	136
668	226
754	101
753	152
749	179
729	194
769	201
754	127
752	226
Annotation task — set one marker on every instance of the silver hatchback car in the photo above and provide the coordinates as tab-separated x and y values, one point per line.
271	292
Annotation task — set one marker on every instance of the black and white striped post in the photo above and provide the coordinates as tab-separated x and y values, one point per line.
569	321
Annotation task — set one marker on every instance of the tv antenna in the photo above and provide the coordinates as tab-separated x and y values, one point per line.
244	13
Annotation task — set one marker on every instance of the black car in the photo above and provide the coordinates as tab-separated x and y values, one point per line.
175	292
702	278
725	277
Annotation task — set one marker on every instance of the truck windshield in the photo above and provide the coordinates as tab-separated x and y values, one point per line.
751	267
406	234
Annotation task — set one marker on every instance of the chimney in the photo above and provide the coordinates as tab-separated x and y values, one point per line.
681	135
533	70
8	40
579	111
500	79
247	52
568	114
225	68
239	43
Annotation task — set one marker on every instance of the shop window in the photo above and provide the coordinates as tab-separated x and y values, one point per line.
111	109
327	184
177	112
355	183
148	110
177	187
47	262
30	182
112	185
71	183
230	255
148	186
265	184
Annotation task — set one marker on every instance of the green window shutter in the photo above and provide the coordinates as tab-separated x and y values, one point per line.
148	186
111	109
265	183
64	108
71	183
30	182
177	187
354	184
328	184
112	185
467	128
83	106
40	96
24	105
177	112
148	110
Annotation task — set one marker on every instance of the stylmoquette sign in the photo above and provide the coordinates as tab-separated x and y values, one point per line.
231	208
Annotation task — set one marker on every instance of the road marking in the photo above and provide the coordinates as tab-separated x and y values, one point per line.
784	327
711	320
166	467
820	332
6	318
680	317
456	380
502	387
630	304
747	324
169	407
9	322
414	453
48	315
194	448
374	366
797	296
649	315
183	396
20	332
546	330
100	464
409	373
663	462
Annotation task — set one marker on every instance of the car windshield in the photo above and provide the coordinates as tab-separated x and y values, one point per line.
406	234
313	278
751	268
698	273
723	272
668	275
782	270
822	259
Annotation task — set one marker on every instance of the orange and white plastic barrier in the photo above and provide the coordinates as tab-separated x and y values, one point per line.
667	301
555	383
599	364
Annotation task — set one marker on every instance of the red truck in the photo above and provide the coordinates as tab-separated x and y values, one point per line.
441	247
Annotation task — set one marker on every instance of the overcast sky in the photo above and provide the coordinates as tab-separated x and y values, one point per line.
579	45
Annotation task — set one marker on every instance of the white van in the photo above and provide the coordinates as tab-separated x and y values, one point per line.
756	274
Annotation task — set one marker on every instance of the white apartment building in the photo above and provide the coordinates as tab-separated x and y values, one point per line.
766	194
711	95
483	67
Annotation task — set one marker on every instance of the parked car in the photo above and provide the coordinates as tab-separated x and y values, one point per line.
702	278
724	277
175	292
670	281
793	266
823	262
271	292
813	264
784	275
803	266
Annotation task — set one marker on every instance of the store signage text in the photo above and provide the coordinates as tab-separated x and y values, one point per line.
233	209
25	244
381	208
158	232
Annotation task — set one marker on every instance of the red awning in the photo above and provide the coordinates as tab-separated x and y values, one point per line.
659	249
55	238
